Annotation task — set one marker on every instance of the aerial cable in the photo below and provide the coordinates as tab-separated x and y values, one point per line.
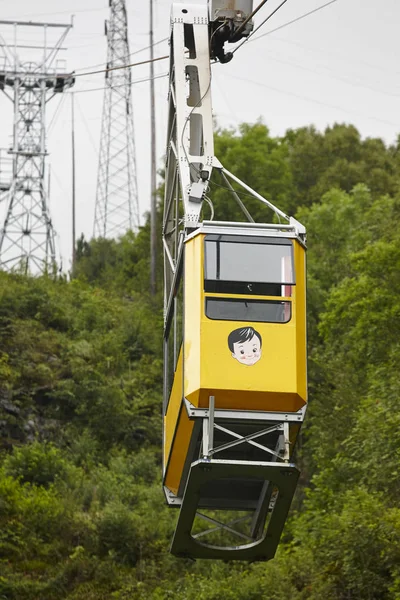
250	16
89	134
293	21
143	62
64	12
55	115
308	99
334	76
129	55
212	183
247	40
121	85
338	55
261	25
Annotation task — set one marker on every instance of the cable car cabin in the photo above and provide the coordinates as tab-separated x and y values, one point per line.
245	331
235	351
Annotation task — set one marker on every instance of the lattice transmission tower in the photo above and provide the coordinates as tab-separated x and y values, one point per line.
30	76
117	208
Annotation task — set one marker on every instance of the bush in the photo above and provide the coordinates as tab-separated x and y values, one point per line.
36	463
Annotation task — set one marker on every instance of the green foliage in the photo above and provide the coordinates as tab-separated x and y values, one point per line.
260	161
121	265
337	158
37	463
96	361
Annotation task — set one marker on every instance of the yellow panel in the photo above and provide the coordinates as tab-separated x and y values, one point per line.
276	380
301	326
174	405
274	371
179	451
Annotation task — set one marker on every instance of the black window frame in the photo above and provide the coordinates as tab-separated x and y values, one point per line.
245	318
246	287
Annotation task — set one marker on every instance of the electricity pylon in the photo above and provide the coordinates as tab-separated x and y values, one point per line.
27	241
117	208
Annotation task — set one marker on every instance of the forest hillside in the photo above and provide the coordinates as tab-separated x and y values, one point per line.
82	513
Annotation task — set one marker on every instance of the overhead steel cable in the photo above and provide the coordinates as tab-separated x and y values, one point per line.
129	55
121	85
56	115
291	22
143	62
247	40
250	16
63	12
333	75
308	99
259	27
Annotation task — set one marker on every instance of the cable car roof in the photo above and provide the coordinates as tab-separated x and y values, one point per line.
294	229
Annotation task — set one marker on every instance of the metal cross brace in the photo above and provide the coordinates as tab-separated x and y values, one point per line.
240	439
226	526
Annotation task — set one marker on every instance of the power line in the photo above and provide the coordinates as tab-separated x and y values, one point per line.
89	133
294	20
261	25
250	16
143	62
333	76
55	115
122	84
249	39
131	54
100	89
63	12
337	55
308	99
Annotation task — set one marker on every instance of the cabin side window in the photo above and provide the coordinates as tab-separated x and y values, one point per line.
255	311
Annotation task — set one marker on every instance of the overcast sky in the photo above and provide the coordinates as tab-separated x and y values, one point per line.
337	65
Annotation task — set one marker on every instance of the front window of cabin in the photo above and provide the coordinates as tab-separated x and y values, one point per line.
248	266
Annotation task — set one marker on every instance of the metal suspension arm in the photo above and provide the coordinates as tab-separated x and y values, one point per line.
190	146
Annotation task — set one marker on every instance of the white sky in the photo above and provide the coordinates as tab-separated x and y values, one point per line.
338	65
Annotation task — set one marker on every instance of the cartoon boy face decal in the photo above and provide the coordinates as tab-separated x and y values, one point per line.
245	344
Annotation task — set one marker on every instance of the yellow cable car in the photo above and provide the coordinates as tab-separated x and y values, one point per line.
235	354
244	332
235	383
